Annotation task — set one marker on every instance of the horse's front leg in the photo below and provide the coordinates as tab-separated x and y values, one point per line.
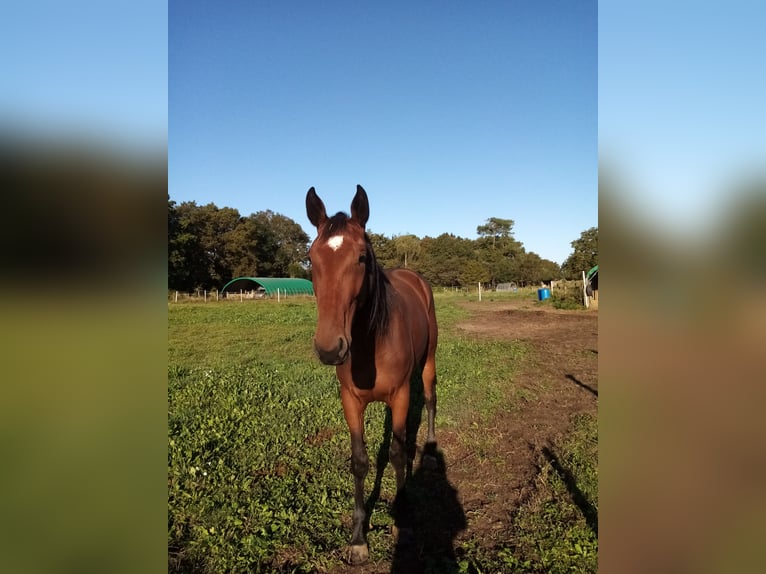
360	465
353	410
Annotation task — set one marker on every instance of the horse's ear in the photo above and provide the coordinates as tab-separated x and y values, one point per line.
360	207
315	208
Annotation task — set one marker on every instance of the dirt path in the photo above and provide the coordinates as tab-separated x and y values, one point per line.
490	480
561	376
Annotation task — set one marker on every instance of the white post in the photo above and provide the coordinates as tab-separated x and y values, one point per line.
479	290
585	290
176	297
216	294
205	295
240	295
277	294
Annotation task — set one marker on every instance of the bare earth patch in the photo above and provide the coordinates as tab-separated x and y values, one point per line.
491	470
562	379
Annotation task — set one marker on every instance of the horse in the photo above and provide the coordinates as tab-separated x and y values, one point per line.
378	328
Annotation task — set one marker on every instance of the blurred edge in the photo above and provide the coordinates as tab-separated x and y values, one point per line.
83	174
682	334
83	411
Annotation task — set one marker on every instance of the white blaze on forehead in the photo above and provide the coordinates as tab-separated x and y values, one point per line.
335	242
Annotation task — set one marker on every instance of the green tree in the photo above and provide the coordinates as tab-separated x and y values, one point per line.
215	227
176	250
442	258
473	272
502	264
550	270
384	249
208	246
497	249
496	229
188	260
532	269
242	249
585	254
281	245
407	248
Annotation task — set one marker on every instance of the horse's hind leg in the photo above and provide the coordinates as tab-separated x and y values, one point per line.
429	460
429	394
397	452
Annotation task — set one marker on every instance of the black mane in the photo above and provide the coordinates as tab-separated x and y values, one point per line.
376	301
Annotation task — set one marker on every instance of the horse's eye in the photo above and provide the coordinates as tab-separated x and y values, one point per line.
362	258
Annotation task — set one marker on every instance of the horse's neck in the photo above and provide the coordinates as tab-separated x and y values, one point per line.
373	315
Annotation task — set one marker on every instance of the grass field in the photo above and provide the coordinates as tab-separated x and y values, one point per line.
258	455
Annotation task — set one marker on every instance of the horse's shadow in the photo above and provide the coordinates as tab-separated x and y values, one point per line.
427	513
414	418
428	516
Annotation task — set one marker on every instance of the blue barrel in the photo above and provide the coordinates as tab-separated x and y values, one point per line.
543	294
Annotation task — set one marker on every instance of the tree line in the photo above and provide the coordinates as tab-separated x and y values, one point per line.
208	246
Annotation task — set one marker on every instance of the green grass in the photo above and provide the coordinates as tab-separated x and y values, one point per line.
258	456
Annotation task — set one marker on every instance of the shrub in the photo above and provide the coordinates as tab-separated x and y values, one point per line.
567	295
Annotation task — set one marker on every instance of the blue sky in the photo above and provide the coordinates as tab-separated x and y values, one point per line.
681	106
447	113
86	68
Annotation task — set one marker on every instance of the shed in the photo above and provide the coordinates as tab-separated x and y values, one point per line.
269	285
591	286
592	278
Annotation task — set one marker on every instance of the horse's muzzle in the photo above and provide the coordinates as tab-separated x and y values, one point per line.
334	356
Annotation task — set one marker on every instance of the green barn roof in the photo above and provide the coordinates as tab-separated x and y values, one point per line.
286	285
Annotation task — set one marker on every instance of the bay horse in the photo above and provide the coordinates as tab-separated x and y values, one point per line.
377	327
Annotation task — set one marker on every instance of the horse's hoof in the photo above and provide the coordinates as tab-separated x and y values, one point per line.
358	554
429	462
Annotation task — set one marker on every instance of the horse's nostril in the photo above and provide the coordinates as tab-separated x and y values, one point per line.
332	356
